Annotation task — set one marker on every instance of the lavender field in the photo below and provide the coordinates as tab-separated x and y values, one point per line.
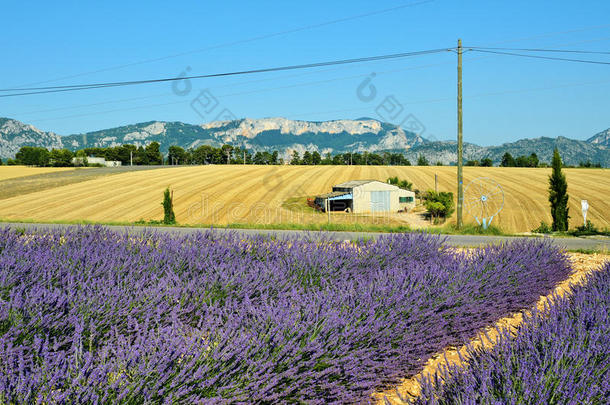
558	356
89	315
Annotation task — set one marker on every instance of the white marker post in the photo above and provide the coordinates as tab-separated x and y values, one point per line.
585	207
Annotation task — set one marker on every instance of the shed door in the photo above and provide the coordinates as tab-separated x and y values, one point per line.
380	201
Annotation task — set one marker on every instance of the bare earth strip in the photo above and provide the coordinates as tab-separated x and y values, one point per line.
222	195
26	180
582	265
12	172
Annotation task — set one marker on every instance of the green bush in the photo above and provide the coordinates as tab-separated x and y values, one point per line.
474	229
588	229
543	228
439	205
405	184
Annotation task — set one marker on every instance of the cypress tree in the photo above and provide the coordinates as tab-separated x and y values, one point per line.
168	208
558	195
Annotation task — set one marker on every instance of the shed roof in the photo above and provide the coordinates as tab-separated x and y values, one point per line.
334	194
355	183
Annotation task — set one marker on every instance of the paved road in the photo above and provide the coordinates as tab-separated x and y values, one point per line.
600	244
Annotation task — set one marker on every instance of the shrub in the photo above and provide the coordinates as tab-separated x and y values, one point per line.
439	204
543	228
588	230
404	184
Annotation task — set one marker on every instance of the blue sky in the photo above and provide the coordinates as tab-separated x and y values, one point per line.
505	98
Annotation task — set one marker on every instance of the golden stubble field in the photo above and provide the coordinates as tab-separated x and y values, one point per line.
255	194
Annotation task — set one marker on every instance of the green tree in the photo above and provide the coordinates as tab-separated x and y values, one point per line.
153	153
296	159
558	195
61	157
176	155
316	159
422	161
32	156
508	160
81	158
227	152
168	207
404	184
439	204
306	158
487	162
259	158
141	157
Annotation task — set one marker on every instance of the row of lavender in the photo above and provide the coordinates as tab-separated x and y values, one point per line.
558	356
94	316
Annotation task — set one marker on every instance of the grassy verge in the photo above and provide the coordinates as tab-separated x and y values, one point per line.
449	229
470	229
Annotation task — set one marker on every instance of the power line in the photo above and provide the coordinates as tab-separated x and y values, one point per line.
246	40
55	89
542	50
542	57
273	79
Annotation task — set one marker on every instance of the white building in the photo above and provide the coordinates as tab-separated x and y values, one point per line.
363	196
97	161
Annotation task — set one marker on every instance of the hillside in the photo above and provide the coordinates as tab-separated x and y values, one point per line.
261	134
15	134
601	139
337	136
572	151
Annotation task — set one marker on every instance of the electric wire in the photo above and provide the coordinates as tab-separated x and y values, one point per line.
55	89
541	50
542	57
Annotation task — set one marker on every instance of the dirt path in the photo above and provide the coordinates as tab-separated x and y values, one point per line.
582	265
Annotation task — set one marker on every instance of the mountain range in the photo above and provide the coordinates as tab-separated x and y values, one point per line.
338	136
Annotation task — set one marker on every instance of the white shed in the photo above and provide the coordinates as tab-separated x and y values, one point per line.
362	196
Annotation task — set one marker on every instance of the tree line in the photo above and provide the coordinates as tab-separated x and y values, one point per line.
37	156
227	154
205	154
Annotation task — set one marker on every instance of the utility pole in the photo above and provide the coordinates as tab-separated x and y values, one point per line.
130	158
460	178
244	156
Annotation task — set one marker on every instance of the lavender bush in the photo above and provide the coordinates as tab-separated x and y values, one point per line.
559	356
89	315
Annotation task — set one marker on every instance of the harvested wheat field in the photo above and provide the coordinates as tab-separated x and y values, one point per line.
258	194
11	172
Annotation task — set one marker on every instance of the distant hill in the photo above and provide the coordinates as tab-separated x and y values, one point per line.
337	136
602	139
260	134
15	134
572	151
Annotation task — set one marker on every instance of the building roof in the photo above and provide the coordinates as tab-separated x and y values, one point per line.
355	183
334	195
